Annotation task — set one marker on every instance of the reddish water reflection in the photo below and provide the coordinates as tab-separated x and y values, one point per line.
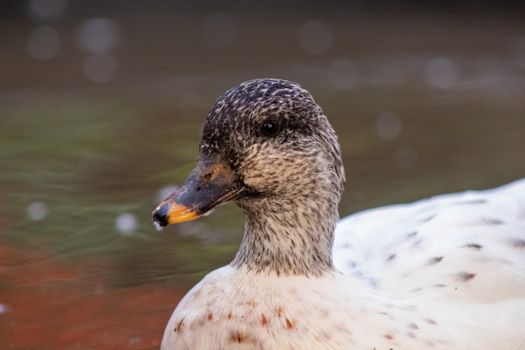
46	301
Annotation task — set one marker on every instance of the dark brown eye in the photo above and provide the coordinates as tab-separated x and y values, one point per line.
270	128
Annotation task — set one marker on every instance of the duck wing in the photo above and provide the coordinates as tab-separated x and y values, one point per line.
461	246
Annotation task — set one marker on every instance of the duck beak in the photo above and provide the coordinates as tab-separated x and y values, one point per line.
209	185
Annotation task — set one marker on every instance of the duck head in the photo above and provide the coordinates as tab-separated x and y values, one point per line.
267	145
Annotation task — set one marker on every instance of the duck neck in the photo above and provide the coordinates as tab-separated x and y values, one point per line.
288	237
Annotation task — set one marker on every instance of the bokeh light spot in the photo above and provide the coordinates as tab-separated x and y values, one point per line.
441	73
43	43
4	309
47	9
388	126
126	223
37	211
98	35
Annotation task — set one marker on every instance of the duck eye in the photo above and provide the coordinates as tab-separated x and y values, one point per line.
270	128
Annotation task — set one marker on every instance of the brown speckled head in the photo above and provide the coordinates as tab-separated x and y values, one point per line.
267	145
285	154
264	126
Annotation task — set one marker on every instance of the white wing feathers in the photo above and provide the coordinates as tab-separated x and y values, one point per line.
435	245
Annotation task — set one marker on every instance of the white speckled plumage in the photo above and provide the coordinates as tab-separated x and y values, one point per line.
442	273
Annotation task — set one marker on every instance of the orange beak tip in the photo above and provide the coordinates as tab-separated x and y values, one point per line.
180	213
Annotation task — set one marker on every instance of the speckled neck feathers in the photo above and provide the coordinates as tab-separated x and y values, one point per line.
288	237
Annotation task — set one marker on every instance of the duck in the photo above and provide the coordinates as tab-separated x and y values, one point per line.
447	272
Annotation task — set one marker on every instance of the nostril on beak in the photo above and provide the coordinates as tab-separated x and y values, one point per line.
160	215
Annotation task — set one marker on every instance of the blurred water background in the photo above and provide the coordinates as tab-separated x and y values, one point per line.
101	106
